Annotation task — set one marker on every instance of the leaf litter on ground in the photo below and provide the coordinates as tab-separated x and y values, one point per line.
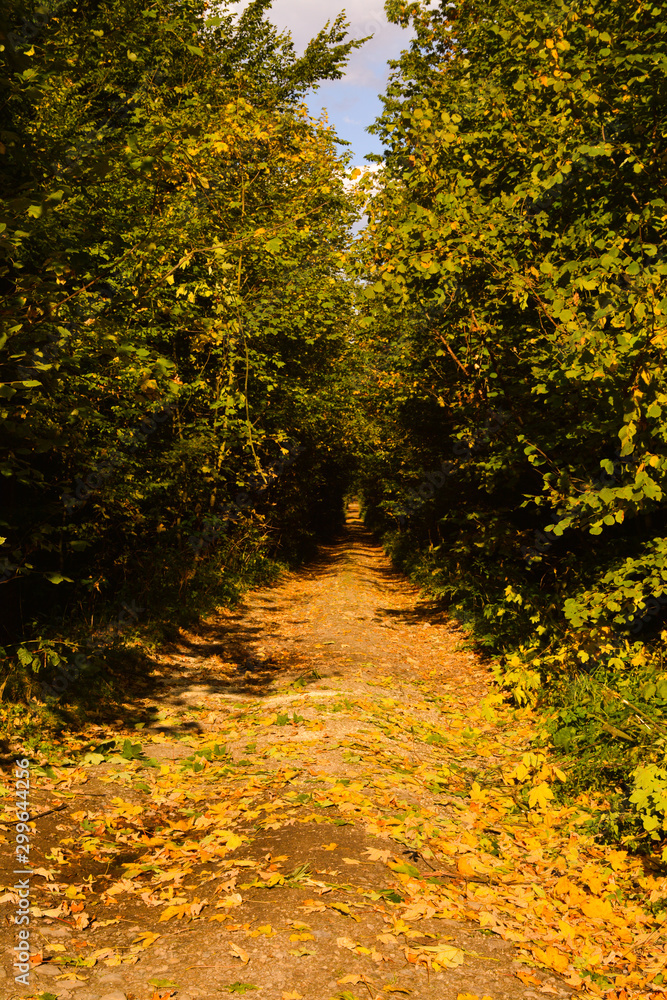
454	784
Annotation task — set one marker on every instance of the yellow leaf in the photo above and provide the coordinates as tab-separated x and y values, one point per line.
144	940
232	840
292	995
597	908
591	876
617	859
72	892
448	957
344	909
540	795
419	911
275	878
330	847
551	958
174	911
99	955
568	931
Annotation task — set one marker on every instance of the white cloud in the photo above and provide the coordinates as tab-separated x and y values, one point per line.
304	18
352	102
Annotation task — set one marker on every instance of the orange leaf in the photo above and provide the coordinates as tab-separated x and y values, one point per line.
465	866
600	908
527	978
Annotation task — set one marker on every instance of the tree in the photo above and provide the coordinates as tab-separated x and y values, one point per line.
519	229
171	267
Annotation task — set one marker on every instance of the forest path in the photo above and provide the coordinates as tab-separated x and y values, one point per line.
325	801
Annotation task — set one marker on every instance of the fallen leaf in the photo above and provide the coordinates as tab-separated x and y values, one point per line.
448	957
375	855
235	899
45	873
144	940
552	958
346	942
466	866
237	952
527	978
265	929
344	909
540	795
312	906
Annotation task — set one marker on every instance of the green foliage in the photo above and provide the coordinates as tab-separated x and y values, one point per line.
649	796
513	299
172	227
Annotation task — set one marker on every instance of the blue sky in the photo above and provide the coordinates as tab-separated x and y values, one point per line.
352	103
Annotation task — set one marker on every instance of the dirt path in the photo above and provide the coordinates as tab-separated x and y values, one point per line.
325	801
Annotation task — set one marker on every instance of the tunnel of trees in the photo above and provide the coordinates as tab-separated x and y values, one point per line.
199	361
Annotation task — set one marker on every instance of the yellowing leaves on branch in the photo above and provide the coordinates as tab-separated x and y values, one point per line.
517	220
